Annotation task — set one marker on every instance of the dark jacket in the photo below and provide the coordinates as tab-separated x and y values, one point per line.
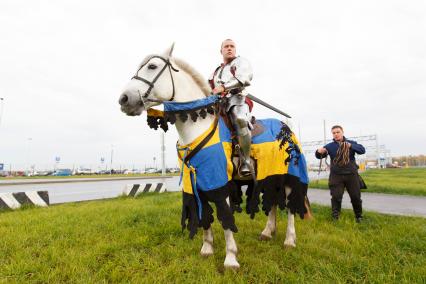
351	167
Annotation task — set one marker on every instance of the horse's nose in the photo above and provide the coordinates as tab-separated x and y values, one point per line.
123	99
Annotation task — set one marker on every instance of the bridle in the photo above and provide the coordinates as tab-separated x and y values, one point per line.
168	64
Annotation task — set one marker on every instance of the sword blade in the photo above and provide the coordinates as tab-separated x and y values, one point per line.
259	101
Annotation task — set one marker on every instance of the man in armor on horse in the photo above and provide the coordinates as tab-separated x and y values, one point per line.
230	79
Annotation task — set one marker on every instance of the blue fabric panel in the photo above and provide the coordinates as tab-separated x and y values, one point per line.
272	128
299	170
211	173
177	106
224	132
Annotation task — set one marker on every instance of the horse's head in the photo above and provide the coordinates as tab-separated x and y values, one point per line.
152	84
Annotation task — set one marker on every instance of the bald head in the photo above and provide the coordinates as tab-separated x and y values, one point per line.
228	50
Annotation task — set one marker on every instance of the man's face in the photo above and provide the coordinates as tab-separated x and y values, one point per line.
337	134
228	50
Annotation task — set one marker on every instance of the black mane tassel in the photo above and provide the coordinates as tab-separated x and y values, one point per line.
183	116
203	113
210	109
163	124
193	115
170	117
152	122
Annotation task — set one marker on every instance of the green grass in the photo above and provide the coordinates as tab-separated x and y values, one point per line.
140	240
411	181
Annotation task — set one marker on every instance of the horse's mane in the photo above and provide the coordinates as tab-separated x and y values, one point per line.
195	75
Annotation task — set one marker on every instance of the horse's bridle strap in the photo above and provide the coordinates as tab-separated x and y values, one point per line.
151	84
202	143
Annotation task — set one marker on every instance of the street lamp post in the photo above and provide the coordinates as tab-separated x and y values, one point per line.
28	154
112	154
1	108
163	154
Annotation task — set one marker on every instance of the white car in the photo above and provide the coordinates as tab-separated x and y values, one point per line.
83	171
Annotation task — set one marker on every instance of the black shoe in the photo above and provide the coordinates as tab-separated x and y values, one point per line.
335	209
358	219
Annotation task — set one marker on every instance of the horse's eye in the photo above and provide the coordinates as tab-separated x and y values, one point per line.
152	66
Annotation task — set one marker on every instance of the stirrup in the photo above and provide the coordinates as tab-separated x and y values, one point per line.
245	170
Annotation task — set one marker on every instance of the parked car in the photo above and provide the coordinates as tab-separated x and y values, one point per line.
62	172
151	171
45	173
132	172
83	171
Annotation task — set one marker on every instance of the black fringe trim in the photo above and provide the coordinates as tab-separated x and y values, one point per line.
171	116
224	212
193	114
273	189
157	121
189	212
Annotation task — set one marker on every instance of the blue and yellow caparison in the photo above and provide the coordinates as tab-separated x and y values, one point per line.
276	151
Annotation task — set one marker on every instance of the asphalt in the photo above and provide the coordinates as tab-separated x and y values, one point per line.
97	188
5	182
405	205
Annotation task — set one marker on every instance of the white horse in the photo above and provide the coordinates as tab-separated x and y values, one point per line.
162	78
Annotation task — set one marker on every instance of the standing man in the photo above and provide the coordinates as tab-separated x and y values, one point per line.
230	80
343	171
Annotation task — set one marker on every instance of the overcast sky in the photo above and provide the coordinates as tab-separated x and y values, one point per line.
63	65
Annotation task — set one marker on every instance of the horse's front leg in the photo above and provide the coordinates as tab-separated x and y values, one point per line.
271	225
290	237
231	248
207	248
231	251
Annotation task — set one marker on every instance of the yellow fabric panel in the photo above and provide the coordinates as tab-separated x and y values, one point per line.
270	159
155	112
186	179
227	147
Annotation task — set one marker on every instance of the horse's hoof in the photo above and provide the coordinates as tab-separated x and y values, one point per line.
263	237
206	254
289	245
206	250
233	267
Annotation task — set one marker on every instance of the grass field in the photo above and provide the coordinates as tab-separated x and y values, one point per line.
140	240
411	181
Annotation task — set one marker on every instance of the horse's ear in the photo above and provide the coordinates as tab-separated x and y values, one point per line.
169	51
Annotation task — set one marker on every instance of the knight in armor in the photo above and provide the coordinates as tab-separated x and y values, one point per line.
230	80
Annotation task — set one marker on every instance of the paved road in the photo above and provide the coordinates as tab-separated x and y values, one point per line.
379	202
71	190
61	191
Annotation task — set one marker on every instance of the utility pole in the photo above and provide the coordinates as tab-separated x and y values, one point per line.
28	154
377	152
325	135
300	136
163	154
1	108
112	154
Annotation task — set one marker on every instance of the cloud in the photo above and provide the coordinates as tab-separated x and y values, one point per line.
63	65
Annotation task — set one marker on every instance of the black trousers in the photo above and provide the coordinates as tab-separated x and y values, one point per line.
337	184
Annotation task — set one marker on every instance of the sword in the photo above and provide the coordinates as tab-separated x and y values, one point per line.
259	101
